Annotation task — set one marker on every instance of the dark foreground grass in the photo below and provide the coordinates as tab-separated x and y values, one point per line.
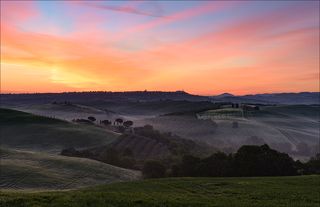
174	192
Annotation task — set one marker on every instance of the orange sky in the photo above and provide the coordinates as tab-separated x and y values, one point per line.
200	47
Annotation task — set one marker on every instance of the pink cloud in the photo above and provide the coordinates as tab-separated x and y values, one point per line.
14	11
178	16
129	8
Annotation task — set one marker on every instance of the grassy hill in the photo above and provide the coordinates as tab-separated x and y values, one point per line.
31	167
34	170
66	111
174	192
27	131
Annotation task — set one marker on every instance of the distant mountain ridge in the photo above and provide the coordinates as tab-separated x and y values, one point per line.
273	98
224	95
83	97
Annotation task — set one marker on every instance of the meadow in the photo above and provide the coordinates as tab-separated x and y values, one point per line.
174	192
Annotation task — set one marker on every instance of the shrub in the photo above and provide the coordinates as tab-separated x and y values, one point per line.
128	123
91	118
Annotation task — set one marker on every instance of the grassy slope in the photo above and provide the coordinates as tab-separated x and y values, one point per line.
35	170
27	131
260	192
30	170
66	111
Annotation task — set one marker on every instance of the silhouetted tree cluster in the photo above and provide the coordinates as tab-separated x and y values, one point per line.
118	121
121	125
106	122
247	161
91	118
127	124
262	161
313	165
82	121
67	103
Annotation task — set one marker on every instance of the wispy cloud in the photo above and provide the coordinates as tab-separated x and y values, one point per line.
126	9
202	9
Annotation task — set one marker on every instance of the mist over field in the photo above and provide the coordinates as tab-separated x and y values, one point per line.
210	120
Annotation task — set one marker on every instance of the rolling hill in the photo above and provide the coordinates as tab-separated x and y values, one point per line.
29	147
34	170
22	130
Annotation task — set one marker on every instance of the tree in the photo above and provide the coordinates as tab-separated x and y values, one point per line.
189	165
153	169
128	124
83	121
119	121
217	165
106	122
176	171
313	165
91	118
262	161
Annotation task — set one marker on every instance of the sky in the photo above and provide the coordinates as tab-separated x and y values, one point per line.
202	47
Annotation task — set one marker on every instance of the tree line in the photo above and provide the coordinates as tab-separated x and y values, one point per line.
248	161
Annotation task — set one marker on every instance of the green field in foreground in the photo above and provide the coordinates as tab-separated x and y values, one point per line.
263	191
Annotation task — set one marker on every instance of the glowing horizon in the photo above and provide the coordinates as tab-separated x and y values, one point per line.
209	47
